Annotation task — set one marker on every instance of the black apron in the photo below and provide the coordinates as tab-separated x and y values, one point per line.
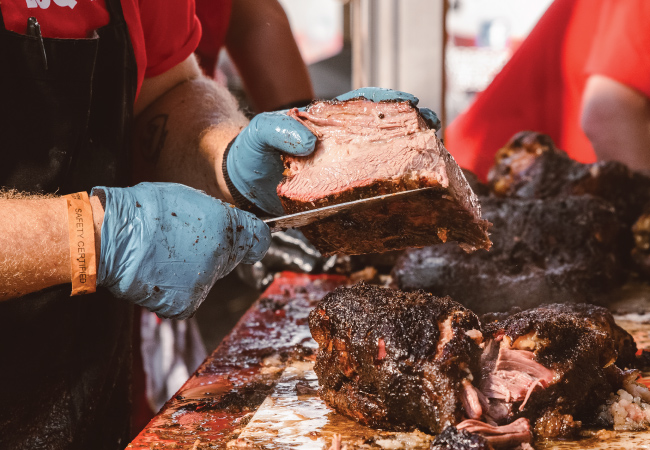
66	109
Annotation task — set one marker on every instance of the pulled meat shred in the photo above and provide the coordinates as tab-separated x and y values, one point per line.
510	435
514	376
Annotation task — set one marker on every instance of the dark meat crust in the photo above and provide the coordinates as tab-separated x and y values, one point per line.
453	439
579	343
593	317
543	252
430	217
411	382
530	166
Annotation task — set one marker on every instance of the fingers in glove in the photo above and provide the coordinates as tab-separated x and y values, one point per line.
376	94
281	132
259	243
248	239
164	245
431	118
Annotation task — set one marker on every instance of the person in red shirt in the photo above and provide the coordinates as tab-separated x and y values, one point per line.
616	99
79	81
95	95
581	76
258	38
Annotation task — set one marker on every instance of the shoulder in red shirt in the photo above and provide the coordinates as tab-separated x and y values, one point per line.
163	33
621	47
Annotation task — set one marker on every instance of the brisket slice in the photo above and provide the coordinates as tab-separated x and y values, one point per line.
366	149
564	250
396	360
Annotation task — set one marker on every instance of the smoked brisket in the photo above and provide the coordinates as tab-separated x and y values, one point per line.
397	360
530	166
543	252
563	231
554	365
366	149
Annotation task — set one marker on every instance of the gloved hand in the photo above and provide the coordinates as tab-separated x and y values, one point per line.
253	166
164	245
376	94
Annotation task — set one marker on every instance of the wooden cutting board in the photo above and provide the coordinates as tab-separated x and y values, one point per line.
294	417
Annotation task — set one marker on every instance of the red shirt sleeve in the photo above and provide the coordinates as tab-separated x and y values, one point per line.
171	33
214	16
621	48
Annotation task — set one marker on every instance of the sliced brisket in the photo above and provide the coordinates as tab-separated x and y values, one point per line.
366	149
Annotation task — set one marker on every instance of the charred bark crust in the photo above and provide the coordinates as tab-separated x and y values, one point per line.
543	252
530	166
384	361
429	217
563	232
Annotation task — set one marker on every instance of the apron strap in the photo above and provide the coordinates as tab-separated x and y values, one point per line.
2	21
114	8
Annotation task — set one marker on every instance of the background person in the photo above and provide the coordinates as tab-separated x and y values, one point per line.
582	76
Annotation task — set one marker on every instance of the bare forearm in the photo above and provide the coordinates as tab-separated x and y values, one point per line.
181	136
261	44
34	244
616	119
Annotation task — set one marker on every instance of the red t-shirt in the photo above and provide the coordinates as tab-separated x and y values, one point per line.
214	16
621	48
541	87
163	33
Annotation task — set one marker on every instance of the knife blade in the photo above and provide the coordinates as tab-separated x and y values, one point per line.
301	219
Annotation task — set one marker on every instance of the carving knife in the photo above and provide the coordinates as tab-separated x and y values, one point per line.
307	217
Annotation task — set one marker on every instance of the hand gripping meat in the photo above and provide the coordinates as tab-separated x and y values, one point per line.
253	166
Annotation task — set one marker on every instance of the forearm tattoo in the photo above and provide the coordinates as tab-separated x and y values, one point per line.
153	137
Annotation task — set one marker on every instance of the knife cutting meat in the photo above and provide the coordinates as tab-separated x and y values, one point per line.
301	219
379	179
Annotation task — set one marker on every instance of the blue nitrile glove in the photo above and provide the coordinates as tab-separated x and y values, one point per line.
164	245
252	165
380	94
253	160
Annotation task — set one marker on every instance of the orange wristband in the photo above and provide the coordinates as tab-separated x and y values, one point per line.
82	244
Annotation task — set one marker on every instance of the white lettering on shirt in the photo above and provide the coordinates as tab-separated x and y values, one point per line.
44	4
69	3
